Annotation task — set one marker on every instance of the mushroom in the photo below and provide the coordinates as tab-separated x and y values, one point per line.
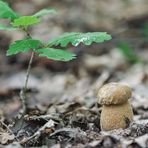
116	111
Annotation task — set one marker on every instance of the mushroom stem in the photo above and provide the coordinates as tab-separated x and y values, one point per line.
116	116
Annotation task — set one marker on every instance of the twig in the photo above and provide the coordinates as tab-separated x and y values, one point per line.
9	130
73	132
37	134
46	118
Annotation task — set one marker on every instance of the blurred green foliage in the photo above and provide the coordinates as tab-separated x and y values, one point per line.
128	52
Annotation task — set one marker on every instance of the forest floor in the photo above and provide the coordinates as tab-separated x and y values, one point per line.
62	108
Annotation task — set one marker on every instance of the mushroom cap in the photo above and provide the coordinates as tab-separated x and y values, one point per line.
114	93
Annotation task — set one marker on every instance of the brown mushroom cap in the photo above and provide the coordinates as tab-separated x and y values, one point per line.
114	93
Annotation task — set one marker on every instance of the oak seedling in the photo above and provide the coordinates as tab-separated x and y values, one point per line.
40	48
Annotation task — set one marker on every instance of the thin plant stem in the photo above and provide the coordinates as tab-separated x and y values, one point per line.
28	70
23	96
23	91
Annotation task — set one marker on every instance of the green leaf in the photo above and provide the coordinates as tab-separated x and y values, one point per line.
6	12
7	28
23	46
25	21
44	12
76	38
56	54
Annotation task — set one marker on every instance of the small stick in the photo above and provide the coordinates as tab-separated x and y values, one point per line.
37	134
9	130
